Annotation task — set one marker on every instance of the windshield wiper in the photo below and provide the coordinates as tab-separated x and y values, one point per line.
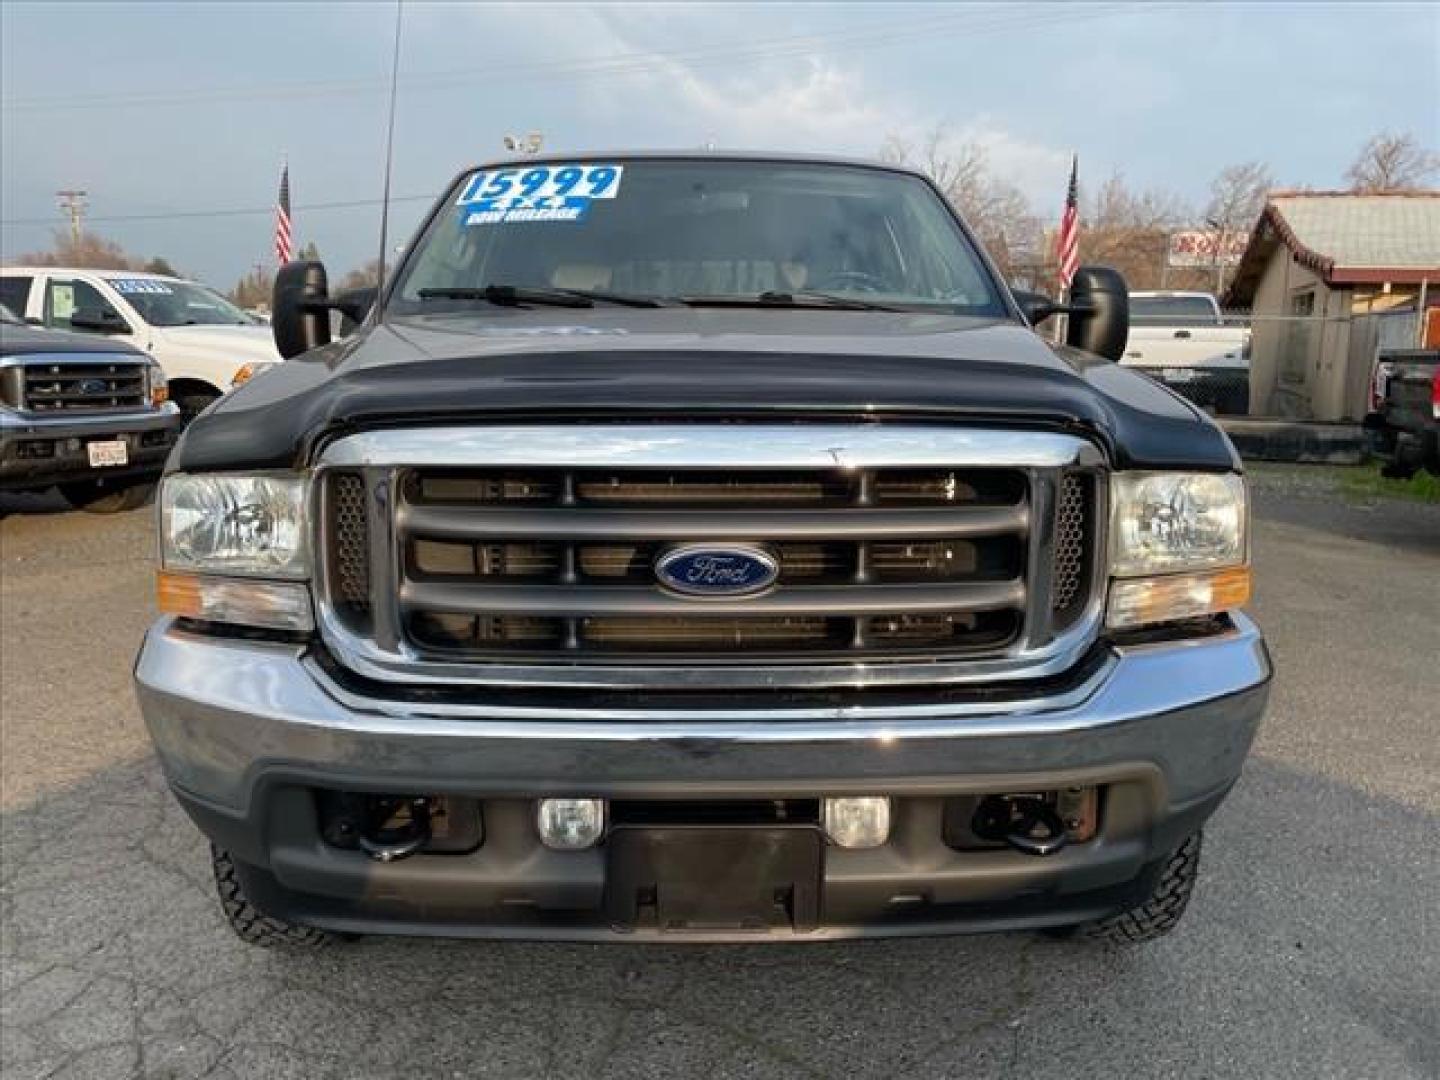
796	299
516	295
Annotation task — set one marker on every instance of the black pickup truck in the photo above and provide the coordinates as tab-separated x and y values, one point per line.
701	546
1403	425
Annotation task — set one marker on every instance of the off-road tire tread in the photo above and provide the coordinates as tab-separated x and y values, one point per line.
250	923
1159	914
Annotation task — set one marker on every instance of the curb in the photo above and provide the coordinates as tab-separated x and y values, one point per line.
1296	440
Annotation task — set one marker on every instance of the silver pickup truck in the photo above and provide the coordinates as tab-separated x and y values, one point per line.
86	414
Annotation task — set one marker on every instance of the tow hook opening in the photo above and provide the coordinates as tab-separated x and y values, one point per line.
1025	823
394	827
1037	823
389	827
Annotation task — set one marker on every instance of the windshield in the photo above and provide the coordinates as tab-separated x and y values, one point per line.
1172	311
700	229
179	303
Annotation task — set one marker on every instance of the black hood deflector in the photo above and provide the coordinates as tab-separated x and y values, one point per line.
281	419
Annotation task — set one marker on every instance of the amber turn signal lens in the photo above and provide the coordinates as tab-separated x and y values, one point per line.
1145	601
274	605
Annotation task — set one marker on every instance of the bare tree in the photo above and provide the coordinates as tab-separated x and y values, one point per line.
1129	229
361	277
995	208
1393	162
1237	196
88	251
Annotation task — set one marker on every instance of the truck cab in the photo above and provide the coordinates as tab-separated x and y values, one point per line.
698	546
204	343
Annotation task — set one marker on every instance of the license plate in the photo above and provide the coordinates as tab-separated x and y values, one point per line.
1183	374
103	454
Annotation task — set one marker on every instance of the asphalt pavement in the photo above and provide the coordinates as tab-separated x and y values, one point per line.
1312	948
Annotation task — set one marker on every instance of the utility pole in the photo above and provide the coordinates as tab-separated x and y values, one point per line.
72	203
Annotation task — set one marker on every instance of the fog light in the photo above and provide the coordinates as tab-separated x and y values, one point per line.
570	824
856	821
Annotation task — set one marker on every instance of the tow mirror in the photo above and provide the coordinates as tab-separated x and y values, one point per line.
300	308
102	320
1099	312
354	306
1036	307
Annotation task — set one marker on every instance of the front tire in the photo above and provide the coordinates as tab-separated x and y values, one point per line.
95	497
192	405
251	924
1162	909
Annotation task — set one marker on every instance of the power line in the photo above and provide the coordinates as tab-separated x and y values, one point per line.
869	37
247	211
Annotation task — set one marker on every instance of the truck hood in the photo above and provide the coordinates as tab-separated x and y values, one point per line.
25	340
241	344
506	365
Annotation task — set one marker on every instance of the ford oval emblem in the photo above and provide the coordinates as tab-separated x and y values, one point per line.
717	570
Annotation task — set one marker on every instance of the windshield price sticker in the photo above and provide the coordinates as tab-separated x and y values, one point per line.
139	285
541	193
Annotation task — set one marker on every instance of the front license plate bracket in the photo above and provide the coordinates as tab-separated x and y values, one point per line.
694	878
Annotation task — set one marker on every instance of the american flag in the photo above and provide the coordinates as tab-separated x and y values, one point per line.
283	249
1067	240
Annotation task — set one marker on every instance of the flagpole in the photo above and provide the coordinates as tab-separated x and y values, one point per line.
389	154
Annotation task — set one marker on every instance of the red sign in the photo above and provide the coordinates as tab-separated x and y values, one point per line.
1201	247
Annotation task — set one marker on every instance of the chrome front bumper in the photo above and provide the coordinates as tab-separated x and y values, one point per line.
246	732
226	714
67	435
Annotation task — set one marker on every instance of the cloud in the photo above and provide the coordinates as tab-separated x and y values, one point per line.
1040	171
676	92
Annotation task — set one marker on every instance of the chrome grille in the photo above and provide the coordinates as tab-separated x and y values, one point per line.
83	386
554	566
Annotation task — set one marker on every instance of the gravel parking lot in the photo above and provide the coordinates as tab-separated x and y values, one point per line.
1312	948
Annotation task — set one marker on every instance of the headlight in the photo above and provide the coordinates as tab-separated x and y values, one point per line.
253	526
1179	547
1163	522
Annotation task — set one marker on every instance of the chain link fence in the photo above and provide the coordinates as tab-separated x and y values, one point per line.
1300	366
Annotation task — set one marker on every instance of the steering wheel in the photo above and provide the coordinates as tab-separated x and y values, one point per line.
850	281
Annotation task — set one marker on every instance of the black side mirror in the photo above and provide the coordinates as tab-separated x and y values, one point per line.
354	305
1099	312
300	308
102	320
1036	307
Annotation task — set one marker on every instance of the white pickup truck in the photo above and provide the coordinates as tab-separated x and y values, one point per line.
1182	340
204	343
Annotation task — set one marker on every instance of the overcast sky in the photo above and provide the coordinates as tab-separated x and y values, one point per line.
187	109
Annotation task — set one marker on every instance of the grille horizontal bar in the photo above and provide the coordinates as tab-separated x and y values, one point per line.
451	522
591	600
